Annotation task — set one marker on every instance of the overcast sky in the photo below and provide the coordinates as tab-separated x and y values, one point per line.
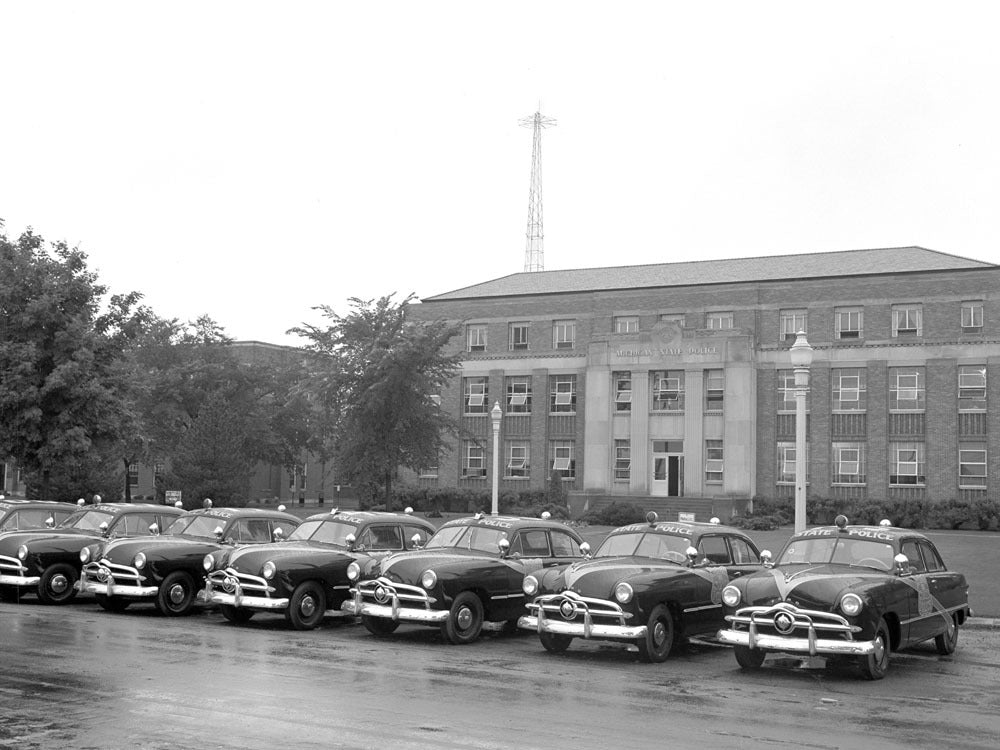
250	160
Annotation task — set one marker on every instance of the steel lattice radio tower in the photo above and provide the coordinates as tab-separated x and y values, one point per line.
534	254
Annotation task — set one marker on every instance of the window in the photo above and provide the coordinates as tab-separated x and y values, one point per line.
906	389
743	553
623	390
563	545
715	386
562	458
719	320
518	452
713	460
848	322
792	321
786	390
473	460
562	394
519	394
475	336
677	318
668	390
907	320
626	324
381	537
623	460
477	393
564	334
972	388
786	462
158	470
530	543
972	465
428	472
849	392
848	463
906	464
972	317
518	337
133	475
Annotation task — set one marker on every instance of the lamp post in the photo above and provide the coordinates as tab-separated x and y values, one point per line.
802	356
495	415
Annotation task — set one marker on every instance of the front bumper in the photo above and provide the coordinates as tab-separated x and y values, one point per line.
805	631
383	598
549	615
103	577
235	589
12	573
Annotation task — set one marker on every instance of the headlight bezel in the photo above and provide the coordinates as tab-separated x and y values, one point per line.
428	579
85	555
139	561
269	570
529	585
354	572
623	592
728	594
22	552
851	604
208	563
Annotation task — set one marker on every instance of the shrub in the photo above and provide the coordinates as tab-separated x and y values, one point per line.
615	514
757	523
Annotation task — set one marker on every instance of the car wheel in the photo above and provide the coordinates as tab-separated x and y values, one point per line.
748	658
876	664
948	640
555	643
237	615
56	584
112	603
379	625
176	594
307	606
659	639
465	620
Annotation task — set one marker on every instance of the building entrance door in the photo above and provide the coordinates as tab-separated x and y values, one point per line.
668	468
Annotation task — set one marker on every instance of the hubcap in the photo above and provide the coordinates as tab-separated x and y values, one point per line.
659	634
879	650
308	606
464	618
176	593
59	583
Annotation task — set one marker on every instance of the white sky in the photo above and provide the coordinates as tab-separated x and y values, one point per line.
251	160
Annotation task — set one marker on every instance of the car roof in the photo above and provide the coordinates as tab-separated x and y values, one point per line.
878	533
17	502
227	513
681	528
366	516
117	508
512	523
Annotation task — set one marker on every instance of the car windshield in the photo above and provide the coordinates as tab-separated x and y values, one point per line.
478	538
644	544
329	532
88	520
202	527
866	553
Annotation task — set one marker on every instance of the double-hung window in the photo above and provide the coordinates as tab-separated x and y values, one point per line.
473	460
972	317
518	453
562	394
623	460
849	391
907	320
667	388
849	322
786	462
792	321
562	458
906	389
849	463
518	337
972	465
972	388
906	464
715	387
718	321
626	324
713	460
564	334
476	394
786	390
475	337
518	394
623	390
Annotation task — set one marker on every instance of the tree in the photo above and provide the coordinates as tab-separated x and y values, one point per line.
371	382
63	380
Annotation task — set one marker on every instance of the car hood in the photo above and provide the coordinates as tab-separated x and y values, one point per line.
250	559
598	577
10	541
808	586
406	567
123	551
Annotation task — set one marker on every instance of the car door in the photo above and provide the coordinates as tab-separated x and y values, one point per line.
712	567
914	623
947	587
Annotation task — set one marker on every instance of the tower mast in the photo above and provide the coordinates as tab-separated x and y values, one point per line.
534	253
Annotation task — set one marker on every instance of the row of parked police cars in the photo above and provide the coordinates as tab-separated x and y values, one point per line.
842	591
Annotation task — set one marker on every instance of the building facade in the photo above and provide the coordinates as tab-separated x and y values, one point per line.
671	384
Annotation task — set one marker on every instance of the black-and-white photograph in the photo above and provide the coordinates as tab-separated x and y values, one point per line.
447	375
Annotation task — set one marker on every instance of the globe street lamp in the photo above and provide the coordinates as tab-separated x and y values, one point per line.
495	415
802	356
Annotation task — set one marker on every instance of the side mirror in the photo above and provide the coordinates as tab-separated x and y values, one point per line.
50	522
350	539
902	564
104	528
279	534
417	541
218	533
765	558
692	555
504	545
585	549
154	529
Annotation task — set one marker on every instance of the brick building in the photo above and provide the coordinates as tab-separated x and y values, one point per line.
671	384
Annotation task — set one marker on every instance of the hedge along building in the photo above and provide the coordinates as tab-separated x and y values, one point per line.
670	385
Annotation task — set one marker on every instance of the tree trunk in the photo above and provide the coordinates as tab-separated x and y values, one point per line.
388	490
44	489
128	485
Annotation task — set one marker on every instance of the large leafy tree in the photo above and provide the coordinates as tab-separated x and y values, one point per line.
371	380
64	377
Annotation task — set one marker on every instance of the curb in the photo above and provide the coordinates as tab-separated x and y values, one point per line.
982	623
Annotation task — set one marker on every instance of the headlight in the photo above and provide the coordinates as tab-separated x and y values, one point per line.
851	604
730	596
22	552
623	593
208	563
85	555
428	578
269	570
530	585
140	561
353	571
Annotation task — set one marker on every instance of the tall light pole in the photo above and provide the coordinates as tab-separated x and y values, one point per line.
802	356
495	415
